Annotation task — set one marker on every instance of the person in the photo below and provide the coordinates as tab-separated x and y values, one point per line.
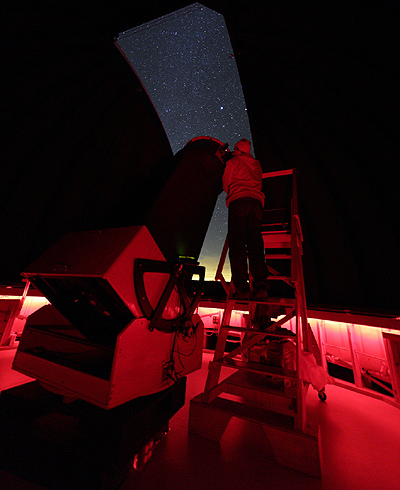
242	182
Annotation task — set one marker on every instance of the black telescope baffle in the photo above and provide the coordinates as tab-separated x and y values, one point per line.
180	216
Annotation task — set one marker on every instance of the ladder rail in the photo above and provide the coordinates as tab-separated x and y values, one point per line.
214	370
219	275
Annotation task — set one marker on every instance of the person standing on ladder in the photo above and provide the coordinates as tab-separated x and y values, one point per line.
242	182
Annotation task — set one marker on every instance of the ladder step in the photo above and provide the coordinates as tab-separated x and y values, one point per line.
255	367
274	239
275	226
279	278
243	411
281	334
278	256
276	232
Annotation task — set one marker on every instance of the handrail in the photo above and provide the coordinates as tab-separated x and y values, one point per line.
278	173
299	232
5	336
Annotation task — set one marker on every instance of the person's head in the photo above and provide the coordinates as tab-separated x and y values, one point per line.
242	146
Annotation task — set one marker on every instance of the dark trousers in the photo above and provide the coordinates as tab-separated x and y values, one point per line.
245	241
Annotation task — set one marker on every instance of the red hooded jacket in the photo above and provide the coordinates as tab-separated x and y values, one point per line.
243	178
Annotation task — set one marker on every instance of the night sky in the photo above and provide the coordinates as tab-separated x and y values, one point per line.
185	62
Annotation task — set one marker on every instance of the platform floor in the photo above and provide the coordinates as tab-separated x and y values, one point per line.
360	448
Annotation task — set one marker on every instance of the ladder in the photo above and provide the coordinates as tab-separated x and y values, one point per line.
270	395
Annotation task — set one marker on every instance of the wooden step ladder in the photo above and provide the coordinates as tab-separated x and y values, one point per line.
269	395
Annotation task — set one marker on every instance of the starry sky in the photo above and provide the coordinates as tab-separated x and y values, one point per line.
185	62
